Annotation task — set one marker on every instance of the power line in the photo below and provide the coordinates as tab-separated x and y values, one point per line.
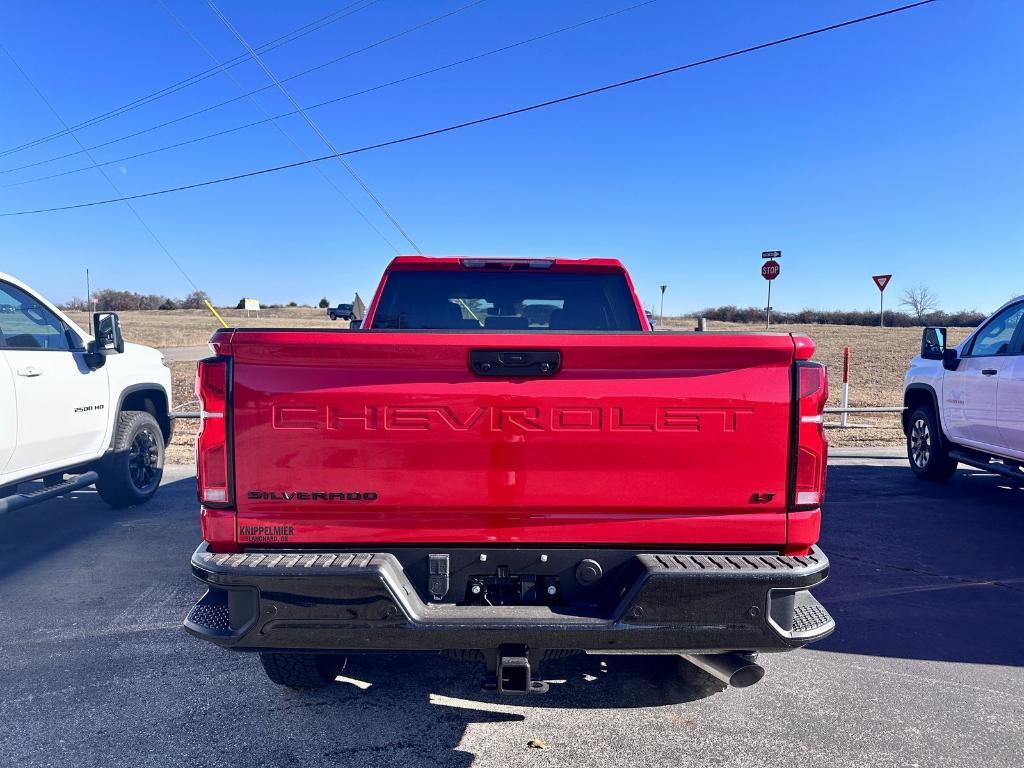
277	125
187	82
289	37
232	100
316	128
490	118
110	181
380	86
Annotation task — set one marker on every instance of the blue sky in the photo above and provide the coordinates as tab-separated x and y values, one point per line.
894	146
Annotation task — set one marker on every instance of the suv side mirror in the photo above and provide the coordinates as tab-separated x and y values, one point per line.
950	359
355	325
933	343
107	328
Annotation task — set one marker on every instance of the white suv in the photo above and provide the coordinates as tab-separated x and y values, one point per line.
97	409
965	404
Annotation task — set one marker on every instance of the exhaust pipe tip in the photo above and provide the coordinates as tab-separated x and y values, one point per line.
733	669
747	675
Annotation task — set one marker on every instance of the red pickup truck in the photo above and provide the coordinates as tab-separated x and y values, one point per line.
505	464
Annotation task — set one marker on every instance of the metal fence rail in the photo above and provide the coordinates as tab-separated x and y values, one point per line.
867	409
844	423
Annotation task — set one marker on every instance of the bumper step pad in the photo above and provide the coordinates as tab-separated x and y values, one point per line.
810	617
293	560
735	563
799	617
211	614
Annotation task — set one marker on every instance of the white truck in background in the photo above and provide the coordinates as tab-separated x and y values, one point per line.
965	404
96	410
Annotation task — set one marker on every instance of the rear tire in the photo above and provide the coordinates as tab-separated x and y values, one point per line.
131	473
927	449
302	670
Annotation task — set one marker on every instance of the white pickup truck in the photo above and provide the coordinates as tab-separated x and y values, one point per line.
965	404
97	410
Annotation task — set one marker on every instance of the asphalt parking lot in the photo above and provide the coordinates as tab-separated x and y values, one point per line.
926	667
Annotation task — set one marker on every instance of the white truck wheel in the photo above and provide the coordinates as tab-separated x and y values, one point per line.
131	472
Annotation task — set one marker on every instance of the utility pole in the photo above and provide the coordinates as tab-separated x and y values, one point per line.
88	299
661	313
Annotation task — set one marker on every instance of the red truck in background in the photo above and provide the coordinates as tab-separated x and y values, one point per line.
505	464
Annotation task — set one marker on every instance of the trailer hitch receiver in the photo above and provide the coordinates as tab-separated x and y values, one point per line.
513	672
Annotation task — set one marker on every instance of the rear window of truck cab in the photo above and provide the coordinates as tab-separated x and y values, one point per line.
504	300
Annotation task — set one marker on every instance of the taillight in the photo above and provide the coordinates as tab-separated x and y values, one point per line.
811	450
213	466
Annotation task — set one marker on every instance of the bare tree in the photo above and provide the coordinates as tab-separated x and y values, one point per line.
920	301
195	300
75	305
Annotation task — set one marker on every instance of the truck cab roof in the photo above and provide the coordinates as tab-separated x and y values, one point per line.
472	293
441	263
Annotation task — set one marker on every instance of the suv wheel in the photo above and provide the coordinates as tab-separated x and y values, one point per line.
927	448
302	670
131	473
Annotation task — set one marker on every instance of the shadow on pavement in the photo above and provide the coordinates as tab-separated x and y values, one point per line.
580	681
46	529
383	709
923	570
388	723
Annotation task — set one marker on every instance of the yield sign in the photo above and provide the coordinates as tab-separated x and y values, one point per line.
881	281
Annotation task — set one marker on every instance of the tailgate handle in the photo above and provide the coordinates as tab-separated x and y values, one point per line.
521	363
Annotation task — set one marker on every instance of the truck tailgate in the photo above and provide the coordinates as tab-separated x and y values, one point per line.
389	437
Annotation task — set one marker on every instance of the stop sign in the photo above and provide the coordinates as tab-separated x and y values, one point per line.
770	269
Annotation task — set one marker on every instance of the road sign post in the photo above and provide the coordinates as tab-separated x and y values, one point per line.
661	312
881	281
844	396
769	271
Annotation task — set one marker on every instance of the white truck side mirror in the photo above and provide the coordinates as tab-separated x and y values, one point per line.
107	328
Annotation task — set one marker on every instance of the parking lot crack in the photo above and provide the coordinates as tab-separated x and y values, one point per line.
1016	585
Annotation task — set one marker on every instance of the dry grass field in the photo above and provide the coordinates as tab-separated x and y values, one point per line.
879	358
878	362
181	449
191	327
